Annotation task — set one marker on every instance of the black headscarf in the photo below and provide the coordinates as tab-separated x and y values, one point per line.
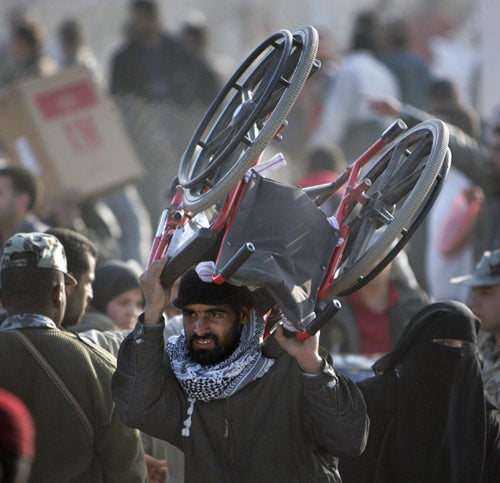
438	432
112	278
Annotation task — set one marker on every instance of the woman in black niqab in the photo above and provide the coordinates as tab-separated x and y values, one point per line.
427	405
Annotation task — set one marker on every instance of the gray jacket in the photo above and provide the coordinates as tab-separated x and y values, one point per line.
284	427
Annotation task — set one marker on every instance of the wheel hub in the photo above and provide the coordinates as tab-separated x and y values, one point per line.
242	112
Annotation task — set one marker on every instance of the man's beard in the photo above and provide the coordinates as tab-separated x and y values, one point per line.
222	350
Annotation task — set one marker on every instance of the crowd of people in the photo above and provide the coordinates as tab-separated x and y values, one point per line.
107	375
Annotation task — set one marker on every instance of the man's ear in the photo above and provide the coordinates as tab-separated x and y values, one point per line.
59	295
244	315
69	288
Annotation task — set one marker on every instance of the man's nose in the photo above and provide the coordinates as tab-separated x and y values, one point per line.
201	326
473	301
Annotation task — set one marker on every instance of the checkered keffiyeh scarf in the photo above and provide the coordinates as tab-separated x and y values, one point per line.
221	380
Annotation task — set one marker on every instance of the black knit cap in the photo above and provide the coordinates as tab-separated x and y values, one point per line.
193	290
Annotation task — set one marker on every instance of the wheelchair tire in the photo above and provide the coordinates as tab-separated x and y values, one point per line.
208	176
405	238
403	181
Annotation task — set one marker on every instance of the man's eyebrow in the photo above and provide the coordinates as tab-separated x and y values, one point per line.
215	308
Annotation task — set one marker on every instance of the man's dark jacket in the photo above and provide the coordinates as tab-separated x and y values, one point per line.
283	427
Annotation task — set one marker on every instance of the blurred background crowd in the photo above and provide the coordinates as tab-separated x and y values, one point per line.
162	63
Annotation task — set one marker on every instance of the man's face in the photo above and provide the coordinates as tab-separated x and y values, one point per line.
61	310
485	303
212	331
8	200
79	296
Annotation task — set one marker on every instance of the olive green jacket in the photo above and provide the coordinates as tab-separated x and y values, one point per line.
64	452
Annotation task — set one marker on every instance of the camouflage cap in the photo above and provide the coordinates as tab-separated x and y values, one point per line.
36	249
487	272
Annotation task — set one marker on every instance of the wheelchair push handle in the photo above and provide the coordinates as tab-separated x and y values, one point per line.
393	131
324	317
238	259
314	326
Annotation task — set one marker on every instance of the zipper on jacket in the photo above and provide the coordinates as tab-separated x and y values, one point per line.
227	435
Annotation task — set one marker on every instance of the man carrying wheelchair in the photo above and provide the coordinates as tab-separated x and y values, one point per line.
236	414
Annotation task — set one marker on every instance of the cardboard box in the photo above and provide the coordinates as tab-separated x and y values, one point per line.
67	131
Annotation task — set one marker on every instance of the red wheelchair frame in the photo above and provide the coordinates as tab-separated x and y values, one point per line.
355	193
388	190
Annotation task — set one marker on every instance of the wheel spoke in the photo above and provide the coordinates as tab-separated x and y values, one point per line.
411	161
361	236
391	166
260	79
282	86
401	163
213	144
396	191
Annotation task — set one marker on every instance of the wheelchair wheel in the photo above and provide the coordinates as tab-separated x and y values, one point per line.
406	236
246	115
404	184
